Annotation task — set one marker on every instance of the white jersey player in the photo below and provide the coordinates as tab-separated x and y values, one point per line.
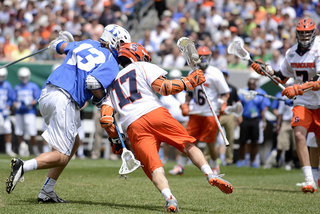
147	122
302	62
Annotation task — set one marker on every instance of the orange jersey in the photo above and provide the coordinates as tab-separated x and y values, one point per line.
147	133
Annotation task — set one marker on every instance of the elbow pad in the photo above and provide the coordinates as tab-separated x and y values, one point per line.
166	87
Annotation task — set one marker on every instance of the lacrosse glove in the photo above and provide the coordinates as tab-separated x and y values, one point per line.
106	121
116	145
185	109
193	80
64	36
258	66
291	91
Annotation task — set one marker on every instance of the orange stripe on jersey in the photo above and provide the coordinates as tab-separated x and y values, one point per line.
166	87
144	70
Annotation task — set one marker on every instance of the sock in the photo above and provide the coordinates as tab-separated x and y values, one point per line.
214	163
223	157
45	148
49	185
182	161
315	173
80	150
257	158
8	147
206	169
166	193
307	172
35	149
30	165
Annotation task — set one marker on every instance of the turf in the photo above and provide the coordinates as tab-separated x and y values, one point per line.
93	186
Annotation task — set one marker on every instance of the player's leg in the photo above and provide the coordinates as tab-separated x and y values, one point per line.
7	131
228	122
19	131
31	128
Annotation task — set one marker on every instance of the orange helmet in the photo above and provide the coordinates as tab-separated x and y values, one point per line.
132	52
205	56
305	32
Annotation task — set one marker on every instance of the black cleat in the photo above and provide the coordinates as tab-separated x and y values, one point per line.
16	174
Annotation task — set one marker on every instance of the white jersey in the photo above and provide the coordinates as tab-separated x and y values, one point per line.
172	103
303	66
131	94
215	85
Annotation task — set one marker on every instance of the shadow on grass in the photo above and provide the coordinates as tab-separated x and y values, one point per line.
270	190
115	206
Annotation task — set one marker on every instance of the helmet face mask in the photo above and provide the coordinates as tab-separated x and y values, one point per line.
205	56
305	32
133	52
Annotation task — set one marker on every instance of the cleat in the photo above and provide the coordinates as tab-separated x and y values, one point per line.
15	175
24	150
172	205
223	185
51	197
216	171
177	170
11	154
310	186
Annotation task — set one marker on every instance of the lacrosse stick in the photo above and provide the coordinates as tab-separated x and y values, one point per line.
129	162
186	46
249	95
235	109
237	49
14	62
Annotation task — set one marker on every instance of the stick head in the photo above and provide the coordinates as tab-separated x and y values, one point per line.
237	49
187	47
129	163
248	95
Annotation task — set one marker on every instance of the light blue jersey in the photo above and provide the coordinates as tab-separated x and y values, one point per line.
24	94
6	95
84	58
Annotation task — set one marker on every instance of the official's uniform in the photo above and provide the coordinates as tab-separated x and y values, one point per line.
142	115
203	126
66	92
303	66
6	99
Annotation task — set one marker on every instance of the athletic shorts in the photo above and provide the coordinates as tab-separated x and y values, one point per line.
285	136
62	117
203	128
26	123
249	130
6	126
147	133
308	118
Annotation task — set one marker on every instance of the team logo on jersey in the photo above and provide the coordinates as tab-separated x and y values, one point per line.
296	120
302	65
206	84
291	55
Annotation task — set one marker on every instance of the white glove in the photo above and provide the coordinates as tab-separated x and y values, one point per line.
63	36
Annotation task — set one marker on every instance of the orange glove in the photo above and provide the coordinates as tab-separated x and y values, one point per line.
315	86
291	91
223	107
106	121
193	80
258	66
185	109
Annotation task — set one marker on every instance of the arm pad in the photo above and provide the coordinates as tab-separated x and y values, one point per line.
92	83
165	87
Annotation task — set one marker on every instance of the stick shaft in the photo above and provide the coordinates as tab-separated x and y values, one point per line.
271	97
120	137
14	62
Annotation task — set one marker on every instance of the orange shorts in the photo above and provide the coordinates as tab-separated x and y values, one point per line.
203	128
147	133
308	118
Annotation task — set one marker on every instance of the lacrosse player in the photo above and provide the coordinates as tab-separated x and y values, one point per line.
147	122
6	97
26	98
203	126
302	61
89	68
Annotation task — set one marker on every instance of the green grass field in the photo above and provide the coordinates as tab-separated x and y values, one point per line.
93	186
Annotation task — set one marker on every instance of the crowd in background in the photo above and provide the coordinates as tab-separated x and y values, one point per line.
265	27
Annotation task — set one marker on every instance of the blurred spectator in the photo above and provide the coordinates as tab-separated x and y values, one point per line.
44	55
287	9
10	26
2	54
93	27
107	16
256	41
235	15
276	60
240	25
304	6
22	51
234	35
117	10
183	27
268	24
127	7
260	12
158	35
196	10
203	33
174	60
179	12
225	41
75	24
192	24
5	13
249	24
167	21
28	17
217	60
270	8
9	47
146	40
160	6
84	11
44	33
278	15
214	19
216	35
34	24
315	15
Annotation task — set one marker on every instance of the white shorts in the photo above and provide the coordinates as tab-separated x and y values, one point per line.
25	124
62	117
6	127
311	140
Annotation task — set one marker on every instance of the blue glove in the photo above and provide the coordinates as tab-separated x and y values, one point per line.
288	102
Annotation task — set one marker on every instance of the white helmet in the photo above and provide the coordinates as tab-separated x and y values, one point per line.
3	74
107	36
119	32
24	74
175	74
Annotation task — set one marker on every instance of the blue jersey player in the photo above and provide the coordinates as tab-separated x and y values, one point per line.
88	69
